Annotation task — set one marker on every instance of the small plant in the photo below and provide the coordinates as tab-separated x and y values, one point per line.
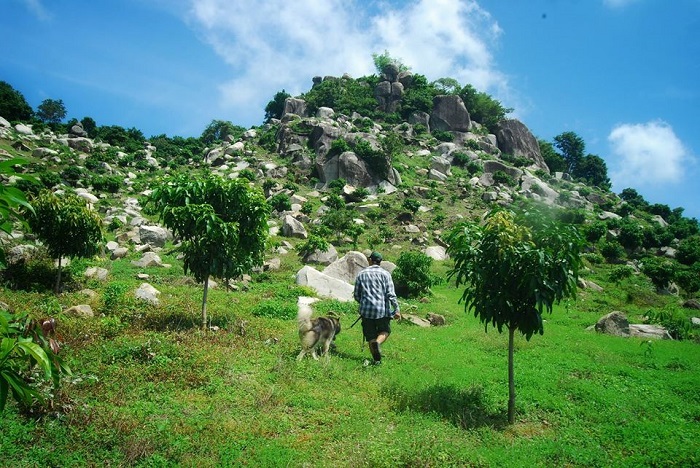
411	204
313	244
339	146
620	273
500	177
472	145
442	135
247	174
275	308
460	158
412	274
280	202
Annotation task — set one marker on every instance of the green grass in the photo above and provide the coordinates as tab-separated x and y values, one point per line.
150	389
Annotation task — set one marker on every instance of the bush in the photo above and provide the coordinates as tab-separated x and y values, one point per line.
109	184
617	274
594	231
500	177
247	174
280	202
442	135
660	271
313	243
612	251
412	275
460	159
411	204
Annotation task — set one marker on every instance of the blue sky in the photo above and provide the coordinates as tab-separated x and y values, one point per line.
623	74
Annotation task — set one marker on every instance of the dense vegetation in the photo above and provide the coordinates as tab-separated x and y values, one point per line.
148	387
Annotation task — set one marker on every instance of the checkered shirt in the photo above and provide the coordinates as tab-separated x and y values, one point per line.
374	290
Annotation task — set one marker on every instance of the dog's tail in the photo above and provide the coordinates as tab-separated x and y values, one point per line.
304	312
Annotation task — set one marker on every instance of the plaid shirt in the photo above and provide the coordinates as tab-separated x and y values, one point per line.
374	290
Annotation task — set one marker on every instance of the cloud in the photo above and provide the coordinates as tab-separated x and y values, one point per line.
647	154
617	4
281	44
37	9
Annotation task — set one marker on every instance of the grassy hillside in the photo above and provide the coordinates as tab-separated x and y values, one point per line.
150	388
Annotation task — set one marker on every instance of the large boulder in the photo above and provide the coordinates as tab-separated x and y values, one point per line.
649	331
614	323
292	227
515	138
295	106
324	285
322	258
436	252
449	114
354	170
347	267
147	293
155	236
491	167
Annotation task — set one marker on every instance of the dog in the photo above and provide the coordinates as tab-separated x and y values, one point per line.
317	333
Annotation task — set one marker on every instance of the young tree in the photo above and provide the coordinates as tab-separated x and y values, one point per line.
12	200
13	105
572	148
513	270
51	111
222	224
275	108
67	226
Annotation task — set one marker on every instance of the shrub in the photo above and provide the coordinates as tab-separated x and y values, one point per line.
619	273
500	177
412	275
339	146
442	135
109	184
247	174
594	231
612	251
313	243
660	271
411	204
280	202
460	159
474	168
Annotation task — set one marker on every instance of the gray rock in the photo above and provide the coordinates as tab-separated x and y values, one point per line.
515	138
436	320
347	267
81	311
293	228
656	332
147	293
324	285
119	252
436	252
149	259
415	320
322	258
614	323
155	236
97	273
295	106
449	114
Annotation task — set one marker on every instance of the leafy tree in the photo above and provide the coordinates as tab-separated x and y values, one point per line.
554	161
659	270
633	198
27	345
381	61
572	148
631	234
412	274
90	126
218	130
447	86
12	200
689	250
355	230
411	204
343	95
13	105
593	170
513	270
130	140
483	108
66	225
51	111
222	224
417	97
275	108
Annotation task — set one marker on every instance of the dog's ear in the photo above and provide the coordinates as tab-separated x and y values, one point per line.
334	314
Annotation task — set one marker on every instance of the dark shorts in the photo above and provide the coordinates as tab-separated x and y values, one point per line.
371	328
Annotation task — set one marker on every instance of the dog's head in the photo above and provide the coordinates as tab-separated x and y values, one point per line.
335	318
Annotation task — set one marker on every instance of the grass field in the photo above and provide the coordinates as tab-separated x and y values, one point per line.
150	389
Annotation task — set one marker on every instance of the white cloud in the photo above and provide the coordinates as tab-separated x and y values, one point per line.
647	154
37	9
281	44
618	3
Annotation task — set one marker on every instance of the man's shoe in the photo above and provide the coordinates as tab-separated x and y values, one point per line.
376	352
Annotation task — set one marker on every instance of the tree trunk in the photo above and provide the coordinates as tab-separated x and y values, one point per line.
511	379
57	287
204	303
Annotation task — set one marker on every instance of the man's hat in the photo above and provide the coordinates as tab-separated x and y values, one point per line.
375	256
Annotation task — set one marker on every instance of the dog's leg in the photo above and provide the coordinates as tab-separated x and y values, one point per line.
301	355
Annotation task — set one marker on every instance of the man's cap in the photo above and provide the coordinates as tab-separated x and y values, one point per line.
375	256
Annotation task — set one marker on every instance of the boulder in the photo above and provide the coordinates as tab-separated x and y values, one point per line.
149	259
656	332
354	170
155	236
449	114
322	258
347	267
97	273
81	311
292	227
491	167
436	252
436	320
515	138
147	293
614	323
295	106
324	285
415	320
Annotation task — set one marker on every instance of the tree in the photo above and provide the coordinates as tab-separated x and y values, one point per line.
554	161
51	111
222	224
66	225
381	61
12	200
593	170
483	108
275	108
513	270
218	130
13	105
412	274
572	148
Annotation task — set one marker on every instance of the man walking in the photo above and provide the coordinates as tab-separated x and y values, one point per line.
374	291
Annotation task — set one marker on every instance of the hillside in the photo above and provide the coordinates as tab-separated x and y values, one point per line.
149	388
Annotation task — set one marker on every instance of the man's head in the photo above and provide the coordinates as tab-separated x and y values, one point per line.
375	258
